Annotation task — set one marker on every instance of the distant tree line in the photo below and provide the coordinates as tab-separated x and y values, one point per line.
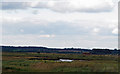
58	50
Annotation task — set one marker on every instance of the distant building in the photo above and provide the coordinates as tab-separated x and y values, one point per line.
86	53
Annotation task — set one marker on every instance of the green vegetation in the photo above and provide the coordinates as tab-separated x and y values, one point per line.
46	62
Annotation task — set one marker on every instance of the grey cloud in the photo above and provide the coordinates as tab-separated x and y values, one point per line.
57	6
14	5
67	7
60	28
56	28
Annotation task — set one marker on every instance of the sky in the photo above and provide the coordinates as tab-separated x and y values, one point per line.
63	23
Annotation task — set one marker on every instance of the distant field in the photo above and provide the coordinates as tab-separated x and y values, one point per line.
46	62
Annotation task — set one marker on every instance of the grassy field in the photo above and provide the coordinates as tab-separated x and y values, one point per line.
46	62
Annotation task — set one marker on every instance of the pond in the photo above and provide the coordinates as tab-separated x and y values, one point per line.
65	60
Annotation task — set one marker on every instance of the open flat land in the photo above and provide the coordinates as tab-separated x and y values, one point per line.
47	62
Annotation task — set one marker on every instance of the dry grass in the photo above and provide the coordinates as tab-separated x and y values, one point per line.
21	62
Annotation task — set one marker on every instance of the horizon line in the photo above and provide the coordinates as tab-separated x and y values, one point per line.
58	47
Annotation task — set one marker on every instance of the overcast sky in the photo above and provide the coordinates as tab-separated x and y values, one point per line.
66	23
